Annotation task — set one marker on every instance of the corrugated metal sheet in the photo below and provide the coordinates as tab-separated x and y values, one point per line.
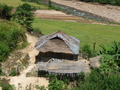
72	42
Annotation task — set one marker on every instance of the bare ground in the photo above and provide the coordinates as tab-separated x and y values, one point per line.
22	82
107	11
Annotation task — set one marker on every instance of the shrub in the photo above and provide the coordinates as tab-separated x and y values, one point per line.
10	35
5	11
56	84
24	16
112	49
40	87
108	64
5	85
13	72
97	81
87	50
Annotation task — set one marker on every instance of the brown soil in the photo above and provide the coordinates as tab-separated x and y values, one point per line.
107	11
22	82
47	14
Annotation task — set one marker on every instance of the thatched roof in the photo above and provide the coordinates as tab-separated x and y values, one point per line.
58	42
62	67
55	45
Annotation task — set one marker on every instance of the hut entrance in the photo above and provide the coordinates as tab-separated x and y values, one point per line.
48	55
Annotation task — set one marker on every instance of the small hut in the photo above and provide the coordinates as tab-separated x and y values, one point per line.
57	45
59	54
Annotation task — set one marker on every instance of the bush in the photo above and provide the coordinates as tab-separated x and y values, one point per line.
5	85
13	72
5	11
112	49
87	50
40	87
10	35
24	16
108	64
56	84
97	81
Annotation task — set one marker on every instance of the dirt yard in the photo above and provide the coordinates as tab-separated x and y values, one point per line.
107	11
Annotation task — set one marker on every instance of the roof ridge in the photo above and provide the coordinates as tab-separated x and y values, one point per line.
72	42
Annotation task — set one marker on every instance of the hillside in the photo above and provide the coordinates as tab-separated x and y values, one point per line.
18	57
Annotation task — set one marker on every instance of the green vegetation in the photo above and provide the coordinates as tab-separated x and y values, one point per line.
40	87
110	60
98	81
10	35
86	33
87	50
5	11
13	72
48	5
5	85
112	2
24	16
106	77
56	84
16	3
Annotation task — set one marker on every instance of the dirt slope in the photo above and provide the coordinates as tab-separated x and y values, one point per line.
108	11
22	82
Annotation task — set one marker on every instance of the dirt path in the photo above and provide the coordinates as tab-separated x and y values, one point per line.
22	82
107	11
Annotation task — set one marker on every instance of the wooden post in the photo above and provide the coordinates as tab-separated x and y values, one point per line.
94	48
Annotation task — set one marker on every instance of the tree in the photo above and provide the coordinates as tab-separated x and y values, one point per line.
5	11
24	15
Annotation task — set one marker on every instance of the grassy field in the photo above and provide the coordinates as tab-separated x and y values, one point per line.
16	3
87	33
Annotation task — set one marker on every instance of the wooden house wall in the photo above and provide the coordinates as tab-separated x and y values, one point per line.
48	55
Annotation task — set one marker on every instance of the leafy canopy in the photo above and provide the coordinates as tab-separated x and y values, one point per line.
24	15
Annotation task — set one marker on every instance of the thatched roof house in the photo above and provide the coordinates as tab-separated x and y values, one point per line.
58	54
58	45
